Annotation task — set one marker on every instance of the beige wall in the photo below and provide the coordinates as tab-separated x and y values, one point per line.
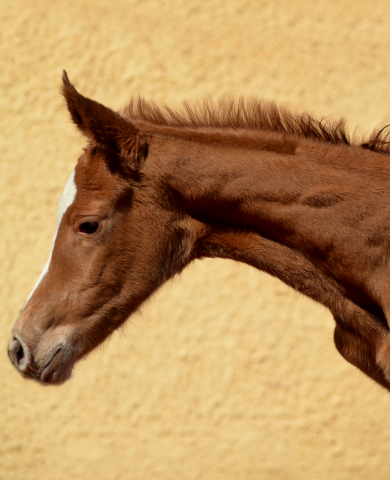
226	373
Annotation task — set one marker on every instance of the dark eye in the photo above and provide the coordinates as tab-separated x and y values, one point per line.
89	227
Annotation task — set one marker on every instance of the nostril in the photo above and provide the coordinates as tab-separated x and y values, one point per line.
21	357
17	354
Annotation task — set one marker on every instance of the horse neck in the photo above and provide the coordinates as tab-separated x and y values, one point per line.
252	181
291	214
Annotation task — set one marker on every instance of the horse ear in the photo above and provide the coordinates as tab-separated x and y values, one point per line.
122	139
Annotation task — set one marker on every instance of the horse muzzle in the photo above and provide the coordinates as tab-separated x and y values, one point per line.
53	367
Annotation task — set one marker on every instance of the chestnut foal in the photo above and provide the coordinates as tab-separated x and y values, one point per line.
157	188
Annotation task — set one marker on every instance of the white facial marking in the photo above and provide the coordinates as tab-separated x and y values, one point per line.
67	198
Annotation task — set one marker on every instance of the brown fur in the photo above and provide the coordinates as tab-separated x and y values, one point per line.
287	194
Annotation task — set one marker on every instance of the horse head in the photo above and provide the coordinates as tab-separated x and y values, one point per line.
116	242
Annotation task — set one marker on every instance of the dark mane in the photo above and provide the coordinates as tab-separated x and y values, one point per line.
250	114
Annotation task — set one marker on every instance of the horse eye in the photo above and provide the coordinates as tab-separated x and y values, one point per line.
89	227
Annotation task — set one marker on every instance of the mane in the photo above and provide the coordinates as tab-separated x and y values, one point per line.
251	114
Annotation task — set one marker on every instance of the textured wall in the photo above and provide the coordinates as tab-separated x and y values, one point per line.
226	373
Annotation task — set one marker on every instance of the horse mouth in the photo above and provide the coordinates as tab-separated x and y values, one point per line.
58	369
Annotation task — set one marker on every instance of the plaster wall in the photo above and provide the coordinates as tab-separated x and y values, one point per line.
226	373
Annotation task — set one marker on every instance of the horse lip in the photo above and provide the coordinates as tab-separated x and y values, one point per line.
52	358
52	373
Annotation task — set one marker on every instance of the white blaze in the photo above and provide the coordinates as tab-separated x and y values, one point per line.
67	198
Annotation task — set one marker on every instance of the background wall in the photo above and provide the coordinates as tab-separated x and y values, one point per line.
226	373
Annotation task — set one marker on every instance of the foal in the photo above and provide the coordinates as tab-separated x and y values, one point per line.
157	188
